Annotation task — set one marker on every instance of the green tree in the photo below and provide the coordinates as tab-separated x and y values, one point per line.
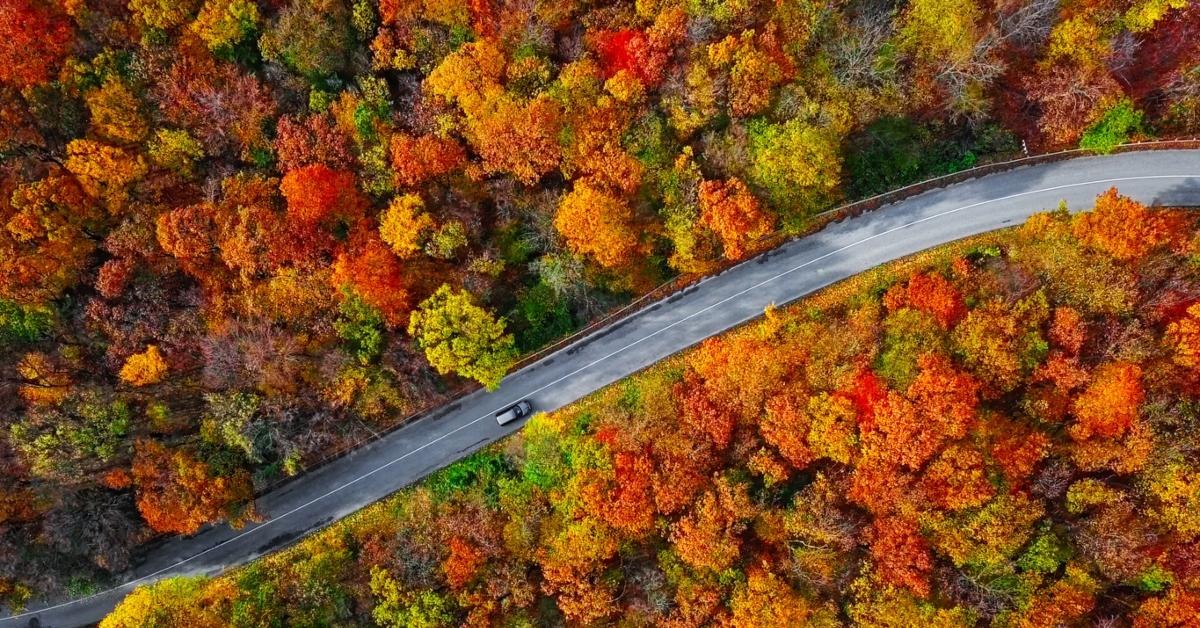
24	323
797	164
311	37
410	609
230	420
361	327
1120	123
176	149
84	434
461	337
542	316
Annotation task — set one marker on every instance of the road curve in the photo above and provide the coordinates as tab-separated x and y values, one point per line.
715	304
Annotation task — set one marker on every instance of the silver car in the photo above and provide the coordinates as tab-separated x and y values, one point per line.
518	410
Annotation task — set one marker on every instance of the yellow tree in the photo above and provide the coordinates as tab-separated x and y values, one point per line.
765	601
796	163
116	113
222	24
196	602
145	368
941	31
163	14
404	225
461	337
104	171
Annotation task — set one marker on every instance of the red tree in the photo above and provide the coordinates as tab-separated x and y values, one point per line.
34	40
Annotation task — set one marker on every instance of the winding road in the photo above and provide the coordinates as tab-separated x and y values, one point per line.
795	269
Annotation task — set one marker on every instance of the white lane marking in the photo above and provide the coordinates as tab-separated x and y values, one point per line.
460	428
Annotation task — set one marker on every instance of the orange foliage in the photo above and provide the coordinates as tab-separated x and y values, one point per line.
419	159
768	601
631	508
117	479
1109	405
1064	372
187	234
901	554
515	136
957	479
706	415
145	368
315	139
518	139
1067	330
738	371
1018	451
785	425
598	224
369	267
178	493
730	210
938	407
1183	337
463	562
682	465
880	486
708	536
1123	455
595	151
317	194
583	597
930	293
1122	227
1179	608
1061	603
114	276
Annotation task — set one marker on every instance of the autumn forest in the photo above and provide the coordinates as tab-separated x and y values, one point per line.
998	432
238	236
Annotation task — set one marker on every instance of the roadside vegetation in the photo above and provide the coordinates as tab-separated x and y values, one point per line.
1001	431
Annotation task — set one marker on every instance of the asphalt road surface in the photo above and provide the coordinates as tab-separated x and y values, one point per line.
714	305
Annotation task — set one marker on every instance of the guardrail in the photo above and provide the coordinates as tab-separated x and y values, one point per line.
758	247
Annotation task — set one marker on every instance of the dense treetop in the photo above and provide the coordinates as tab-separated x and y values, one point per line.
236	235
